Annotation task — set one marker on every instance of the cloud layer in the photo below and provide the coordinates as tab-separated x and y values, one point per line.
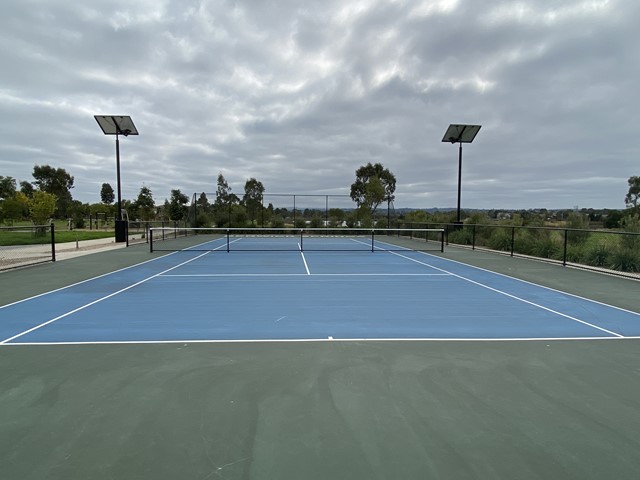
299	95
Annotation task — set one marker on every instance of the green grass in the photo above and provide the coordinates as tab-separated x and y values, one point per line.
23	237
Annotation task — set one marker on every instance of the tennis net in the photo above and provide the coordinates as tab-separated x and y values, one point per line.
295	239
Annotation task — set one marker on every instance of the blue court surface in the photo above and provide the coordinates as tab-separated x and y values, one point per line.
306	296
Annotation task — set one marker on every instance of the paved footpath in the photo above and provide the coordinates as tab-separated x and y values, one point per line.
85	247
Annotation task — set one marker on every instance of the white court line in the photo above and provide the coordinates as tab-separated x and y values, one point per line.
186	342
520	280
306	267
84	281
538	285
101	276
307	274
501	292
98	300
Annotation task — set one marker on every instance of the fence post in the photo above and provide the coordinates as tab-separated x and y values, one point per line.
513	239
473	237
53	243
564	253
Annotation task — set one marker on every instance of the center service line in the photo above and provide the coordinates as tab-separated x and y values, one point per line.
306	267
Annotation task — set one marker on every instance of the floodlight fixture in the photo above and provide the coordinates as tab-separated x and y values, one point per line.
457	133
118	125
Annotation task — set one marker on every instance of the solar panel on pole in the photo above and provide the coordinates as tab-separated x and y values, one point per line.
459	133
118	125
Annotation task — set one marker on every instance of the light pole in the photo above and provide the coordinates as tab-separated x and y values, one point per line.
460	134
118	125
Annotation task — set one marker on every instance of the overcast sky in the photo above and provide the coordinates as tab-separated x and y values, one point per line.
299	94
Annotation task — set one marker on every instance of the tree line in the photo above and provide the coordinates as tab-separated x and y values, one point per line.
49	196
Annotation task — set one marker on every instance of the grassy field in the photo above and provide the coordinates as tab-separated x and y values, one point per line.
26	236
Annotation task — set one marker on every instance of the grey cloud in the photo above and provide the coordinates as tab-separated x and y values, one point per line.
300	95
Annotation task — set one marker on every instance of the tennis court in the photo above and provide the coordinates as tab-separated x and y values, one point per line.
370	358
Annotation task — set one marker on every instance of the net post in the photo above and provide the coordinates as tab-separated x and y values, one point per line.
301	237
53	243
564	250
227	240
150	238
372	241
442	241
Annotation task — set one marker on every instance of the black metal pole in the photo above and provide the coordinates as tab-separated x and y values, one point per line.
459	179
119	214
53	243
326	211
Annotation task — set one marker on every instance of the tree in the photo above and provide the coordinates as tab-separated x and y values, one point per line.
27	189
203	201
106	194
374	184
41	207
55	181
202	211
15	208
7	187
145	204
253	190
223	193
178	205
336	216
632	199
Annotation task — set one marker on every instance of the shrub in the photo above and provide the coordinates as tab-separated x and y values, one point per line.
464	236
598	256
277	221
547	248
626	260
500	239
575	253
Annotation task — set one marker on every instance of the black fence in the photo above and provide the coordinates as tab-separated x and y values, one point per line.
139	232
26	245
614	251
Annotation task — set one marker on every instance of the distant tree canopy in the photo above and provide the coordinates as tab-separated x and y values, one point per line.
55	181
41	207
144	204
223	193
632	199
374	184
27	188
253	191
178	205
106	194
7	187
